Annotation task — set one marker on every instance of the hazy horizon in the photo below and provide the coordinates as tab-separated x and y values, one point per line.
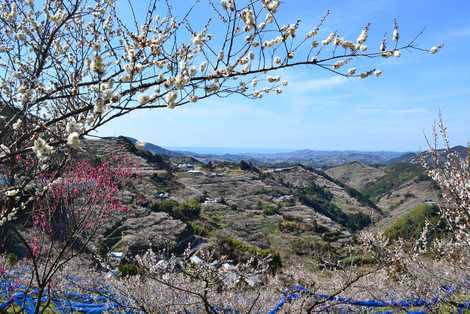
263	150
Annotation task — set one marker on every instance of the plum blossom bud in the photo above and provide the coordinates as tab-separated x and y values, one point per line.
273	79
378	73
397	53
277	60
312	33
73	140
193	98
396	33
203	66
171	99
352	71
435	49
364	75
361	39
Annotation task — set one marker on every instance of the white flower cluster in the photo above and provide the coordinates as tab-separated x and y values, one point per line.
98	65
42	149
228	5
249	19
4	150
9	217
271	5
73	140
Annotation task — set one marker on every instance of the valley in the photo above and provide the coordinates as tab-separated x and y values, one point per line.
297	213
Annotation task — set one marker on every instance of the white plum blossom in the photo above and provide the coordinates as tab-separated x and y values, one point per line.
171	99
228	5
17	125
144	99
378	73
73	140
249	19
397	53
140	145
340	63
272	5
181	81
329	39
98	65
42	149
4	149
12	193
198	39
71	127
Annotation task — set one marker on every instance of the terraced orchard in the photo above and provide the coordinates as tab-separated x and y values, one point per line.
296	213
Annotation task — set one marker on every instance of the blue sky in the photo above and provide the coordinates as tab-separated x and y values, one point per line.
320	111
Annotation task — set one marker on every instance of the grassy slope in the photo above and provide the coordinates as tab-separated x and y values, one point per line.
411	225
396	175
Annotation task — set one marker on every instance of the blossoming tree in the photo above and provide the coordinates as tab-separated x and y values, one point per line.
69	67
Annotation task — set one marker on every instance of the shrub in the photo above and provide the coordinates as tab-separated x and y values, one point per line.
189	209
269	210
199	228
288	226
241	251
128	269
358	221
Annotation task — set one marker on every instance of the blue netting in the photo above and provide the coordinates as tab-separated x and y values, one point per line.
297	291
97	301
